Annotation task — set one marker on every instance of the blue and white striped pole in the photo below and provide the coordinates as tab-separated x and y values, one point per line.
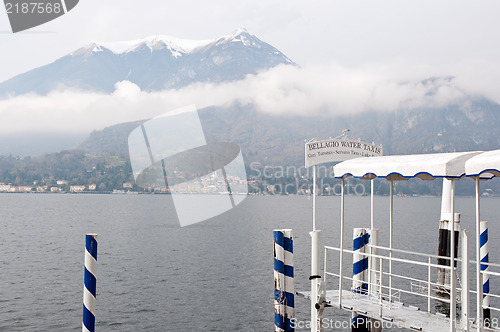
359	274
284	302
484	268
360	261
89	283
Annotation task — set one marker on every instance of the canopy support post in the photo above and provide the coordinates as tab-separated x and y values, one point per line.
371	205
479	281
391	221
341	242
453	297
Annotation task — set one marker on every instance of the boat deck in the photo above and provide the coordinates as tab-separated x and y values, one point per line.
394	314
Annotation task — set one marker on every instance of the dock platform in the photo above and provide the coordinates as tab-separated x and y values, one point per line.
394	314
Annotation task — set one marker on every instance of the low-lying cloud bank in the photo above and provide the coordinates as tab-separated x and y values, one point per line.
319	90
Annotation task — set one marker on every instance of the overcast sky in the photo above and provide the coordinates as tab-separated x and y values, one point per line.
363	50
350	33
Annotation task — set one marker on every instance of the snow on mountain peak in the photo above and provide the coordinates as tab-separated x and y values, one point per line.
240	35
177	46
240	31
88	50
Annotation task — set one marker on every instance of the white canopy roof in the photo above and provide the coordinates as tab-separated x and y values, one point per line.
486	164
424	166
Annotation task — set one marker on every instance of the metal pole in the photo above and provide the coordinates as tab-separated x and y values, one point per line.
484	271
359	269
373	276
325	267
359	261
341	242
391	221
284	298
429	261
381	266
89	283
465	280
479	282
443	274
371	206
315	264
314	197
315	279
453	297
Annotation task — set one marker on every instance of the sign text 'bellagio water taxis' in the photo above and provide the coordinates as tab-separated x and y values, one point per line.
327	151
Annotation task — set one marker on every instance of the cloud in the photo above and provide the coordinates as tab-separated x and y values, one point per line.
317	89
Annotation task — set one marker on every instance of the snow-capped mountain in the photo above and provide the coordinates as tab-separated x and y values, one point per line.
153	63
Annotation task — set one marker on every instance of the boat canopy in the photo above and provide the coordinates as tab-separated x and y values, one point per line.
404	167
486	165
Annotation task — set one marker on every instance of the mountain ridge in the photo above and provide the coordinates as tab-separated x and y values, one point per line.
152	64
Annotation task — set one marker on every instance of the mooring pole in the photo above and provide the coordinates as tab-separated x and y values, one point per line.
484	269
89	282
284	298
359	275
445	234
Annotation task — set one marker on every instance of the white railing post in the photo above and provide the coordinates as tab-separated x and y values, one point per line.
429	284
381	289
373	282
465	280
324	269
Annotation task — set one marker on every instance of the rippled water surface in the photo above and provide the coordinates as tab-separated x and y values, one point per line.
154	275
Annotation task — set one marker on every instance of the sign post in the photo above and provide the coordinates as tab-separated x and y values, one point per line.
316	153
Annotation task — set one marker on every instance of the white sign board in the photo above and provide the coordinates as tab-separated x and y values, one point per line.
333	150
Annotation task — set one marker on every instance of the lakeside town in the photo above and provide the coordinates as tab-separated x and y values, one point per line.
204	185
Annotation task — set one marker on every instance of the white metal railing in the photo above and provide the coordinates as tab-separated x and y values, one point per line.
415	288
494	304
389	293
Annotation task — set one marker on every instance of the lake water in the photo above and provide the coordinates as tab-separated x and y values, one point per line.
154	275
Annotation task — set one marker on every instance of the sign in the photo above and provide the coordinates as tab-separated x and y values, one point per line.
333	150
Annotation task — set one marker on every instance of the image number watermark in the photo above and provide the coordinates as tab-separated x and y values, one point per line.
331	324
25	14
